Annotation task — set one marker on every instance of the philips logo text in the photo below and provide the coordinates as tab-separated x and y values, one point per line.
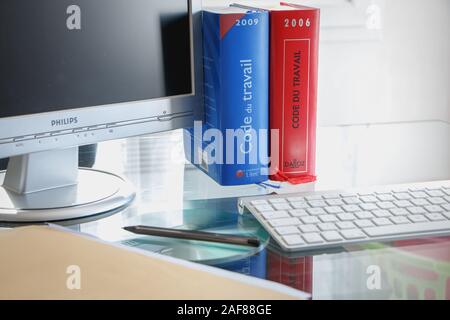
64	122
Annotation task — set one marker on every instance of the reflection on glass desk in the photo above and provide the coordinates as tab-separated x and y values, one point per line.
410	269
172	193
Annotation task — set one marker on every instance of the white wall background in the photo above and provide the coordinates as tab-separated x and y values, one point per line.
384	91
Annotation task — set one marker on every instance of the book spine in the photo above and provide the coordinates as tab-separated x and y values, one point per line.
293	104
236	87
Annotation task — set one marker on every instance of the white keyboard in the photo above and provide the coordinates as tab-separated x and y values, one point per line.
329	219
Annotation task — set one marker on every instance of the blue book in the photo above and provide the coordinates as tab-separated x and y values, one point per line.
231	145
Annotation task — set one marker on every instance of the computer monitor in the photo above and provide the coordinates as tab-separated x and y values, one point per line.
76	72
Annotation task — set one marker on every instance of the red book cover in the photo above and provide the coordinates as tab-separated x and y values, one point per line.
293	91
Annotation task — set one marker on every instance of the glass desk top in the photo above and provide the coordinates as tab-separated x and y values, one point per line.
172	193
410	269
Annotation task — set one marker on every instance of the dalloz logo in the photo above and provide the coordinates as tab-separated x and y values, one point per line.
294	164
73	22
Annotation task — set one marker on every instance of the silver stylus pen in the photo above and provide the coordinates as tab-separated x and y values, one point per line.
194	235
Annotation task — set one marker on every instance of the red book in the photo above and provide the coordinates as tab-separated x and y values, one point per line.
293	91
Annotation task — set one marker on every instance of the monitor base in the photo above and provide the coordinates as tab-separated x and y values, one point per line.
95	193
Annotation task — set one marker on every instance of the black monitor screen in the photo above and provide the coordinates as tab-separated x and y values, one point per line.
65	54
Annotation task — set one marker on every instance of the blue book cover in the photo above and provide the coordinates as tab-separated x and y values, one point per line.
231	145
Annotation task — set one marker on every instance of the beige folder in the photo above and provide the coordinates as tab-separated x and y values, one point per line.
47	262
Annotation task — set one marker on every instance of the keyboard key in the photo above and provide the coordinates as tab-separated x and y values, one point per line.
386	205
351	208
298	212
400	220
327	226
381	213
352	200
316	211
435	217
263	207
419	194
296	199
446	207
331	236
352	234
434	208
256	202
382	191
331	196
346	216
417	218
282	206
306	228
328	218
345	225
364	215
293	240
348	194
313	238
313	198
268	215
381	221
415	189
287	230
399	211
403	203
433	188
446	214
317	203
334	210
435	193
447	198
416	210
299	205
386	197
284	222
335	202
437	200
412	228
277	200
368	206
364	223
368	199
402	196
309	220
420	202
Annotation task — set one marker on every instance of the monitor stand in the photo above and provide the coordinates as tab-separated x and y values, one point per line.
48	186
